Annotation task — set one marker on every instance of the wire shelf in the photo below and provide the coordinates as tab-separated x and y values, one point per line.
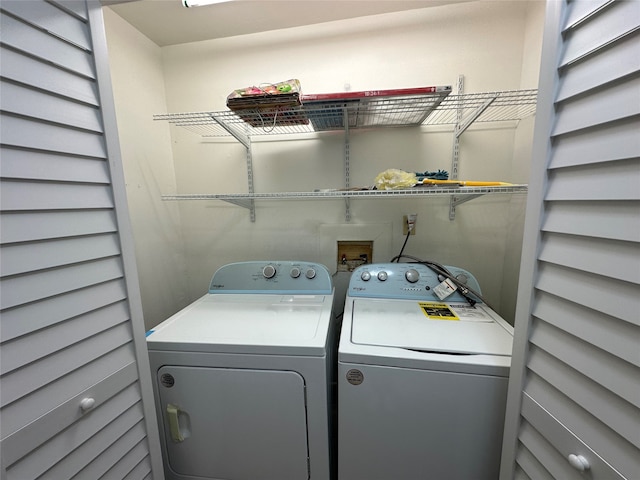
413	110
341	194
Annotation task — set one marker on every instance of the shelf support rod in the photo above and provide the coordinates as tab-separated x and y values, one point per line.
243	139
460	129
347	165
240	203
460	200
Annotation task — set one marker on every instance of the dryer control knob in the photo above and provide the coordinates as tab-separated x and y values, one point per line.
295	272
365	276
412	275
382	276
311	273
269	271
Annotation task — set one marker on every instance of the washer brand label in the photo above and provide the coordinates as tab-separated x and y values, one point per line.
167	380
355	376
217	285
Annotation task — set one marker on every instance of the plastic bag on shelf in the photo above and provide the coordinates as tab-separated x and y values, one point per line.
394	178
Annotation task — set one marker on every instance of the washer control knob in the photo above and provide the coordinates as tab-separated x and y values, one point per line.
463	278
311	273
365	276
412	275
295	272
382	276
269	271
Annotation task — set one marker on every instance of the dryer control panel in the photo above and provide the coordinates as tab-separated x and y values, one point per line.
406	281
277	277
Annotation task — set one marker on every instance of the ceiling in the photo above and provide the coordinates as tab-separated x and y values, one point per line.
167	22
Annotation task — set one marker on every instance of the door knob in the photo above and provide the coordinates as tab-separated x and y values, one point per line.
579	462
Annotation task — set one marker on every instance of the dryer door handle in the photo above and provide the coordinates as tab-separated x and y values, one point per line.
174	423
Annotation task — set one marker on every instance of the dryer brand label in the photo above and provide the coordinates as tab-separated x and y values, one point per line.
438	311
355	376
167	380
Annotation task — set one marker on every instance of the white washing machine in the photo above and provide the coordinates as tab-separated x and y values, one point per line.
422	382
242	376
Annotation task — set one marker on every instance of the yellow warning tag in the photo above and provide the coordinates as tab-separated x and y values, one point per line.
438	311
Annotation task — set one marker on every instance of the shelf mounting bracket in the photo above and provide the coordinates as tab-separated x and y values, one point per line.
456	150
245	140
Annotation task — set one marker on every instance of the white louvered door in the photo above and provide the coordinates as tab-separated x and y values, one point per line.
574	398
75	393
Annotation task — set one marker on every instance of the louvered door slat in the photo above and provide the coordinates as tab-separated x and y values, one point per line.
613	219
112	442
619	140
30	226
588	394
530	467
46	16
604	257
605	67
31	377
599	28
607	296
45	313
40	345
30	165
605	332
73	7
140	471
44	46
607	370
30	288
597	181
24	258
27	102
127	443
25	70
615	102
24	133
127	464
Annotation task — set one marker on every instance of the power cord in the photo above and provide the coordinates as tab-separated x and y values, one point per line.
406	239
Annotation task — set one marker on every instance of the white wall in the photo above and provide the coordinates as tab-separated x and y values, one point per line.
485	41
136	70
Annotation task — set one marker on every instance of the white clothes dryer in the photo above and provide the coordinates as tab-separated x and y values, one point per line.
422	382
242	376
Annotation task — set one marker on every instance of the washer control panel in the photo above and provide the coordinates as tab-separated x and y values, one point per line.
405	281
281	277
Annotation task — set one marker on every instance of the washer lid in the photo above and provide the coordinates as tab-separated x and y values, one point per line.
429	327
247	323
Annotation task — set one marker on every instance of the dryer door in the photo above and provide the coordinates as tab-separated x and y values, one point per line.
239	424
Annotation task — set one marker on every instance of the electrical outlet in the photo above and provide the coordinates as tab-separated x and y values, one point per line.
409	221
